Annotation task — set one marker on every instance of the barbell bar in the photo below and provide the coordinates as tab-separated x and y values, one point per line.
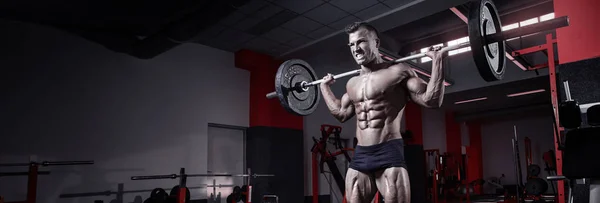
493	38
48	163
174	176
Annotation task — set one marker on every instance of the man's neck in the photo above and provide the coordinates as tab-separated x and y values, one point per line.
374	65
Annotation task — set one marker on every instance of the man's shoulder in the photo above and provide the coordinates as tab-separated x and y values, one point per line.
352	80
398	67
401	69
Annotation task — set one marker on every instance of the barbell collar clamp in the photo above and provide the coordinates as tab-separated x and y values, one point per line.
271	95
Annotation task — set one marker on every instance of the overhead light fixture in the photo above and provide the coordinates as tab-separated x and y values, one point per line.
525	93
470	100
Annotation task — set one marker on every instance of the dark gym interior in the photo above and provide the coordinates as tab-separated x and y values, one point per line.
156	102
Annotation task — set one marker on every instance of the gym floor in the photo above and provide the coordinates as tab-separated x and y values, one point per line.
122	101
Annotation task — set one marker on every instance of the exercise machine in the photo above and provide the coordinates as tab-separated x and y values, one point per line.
434	167
321	156
33	173
183	192
581	167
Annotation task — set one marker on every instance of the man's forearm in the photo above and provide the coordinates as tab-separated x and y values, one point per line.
435	88
333	103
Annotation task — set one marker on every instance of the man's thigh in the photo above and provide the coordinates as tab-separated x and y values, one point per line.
360	187
394	185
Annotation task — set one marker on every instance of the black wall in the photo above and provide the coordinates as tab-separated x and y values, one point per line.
280	152
584	80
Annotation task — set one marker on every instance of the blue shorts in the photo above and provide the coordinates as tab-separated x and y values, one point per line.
368	159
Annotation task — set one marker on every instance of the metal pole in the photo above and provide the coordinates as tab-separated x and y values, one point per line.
517	161
530	29
249	190
567	90
49	163
32	183
557	131
516	170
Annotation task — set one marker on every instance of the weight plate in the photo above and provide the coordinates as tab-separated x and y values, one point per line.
534	170
536	186
489	58
157	195
295	99
174	194
243	194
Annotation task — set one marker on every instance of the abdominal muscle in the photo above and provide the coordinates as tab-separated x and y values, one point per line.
378	121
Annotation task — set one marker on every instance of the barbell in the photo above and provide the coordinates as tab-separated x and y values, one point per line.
295	79
174	176
184	175
47	163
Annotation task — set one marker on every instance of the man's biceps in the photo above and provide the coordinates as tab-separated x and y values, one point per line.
347	106
346	101
416	85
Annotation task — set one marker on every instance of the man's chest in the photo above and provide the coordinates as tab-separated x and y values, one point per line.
372	86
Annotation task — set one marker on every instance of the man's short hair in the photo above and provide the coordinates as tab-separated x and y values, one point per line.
353	27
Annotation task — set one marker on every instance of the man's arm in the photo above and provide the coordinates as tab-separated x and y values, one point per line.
342	109
431	94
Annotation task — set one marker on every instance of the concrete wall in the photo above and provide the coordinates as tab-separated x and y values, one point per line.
434	130
69	99
497	145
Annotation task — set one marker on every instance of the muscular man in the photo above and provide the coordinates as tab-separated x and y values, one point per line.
377	97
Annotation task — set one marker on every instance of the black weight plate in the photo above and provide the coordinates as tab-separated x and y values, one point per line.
534	170
536	186
294	99
243	195
175	193
489	58
158	195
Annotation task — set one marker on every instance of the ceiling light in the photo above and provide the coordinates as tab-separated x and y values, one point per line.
525	93
470	100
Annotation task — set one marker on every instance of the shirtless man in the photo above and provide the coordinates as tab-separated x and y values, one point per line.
377	97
